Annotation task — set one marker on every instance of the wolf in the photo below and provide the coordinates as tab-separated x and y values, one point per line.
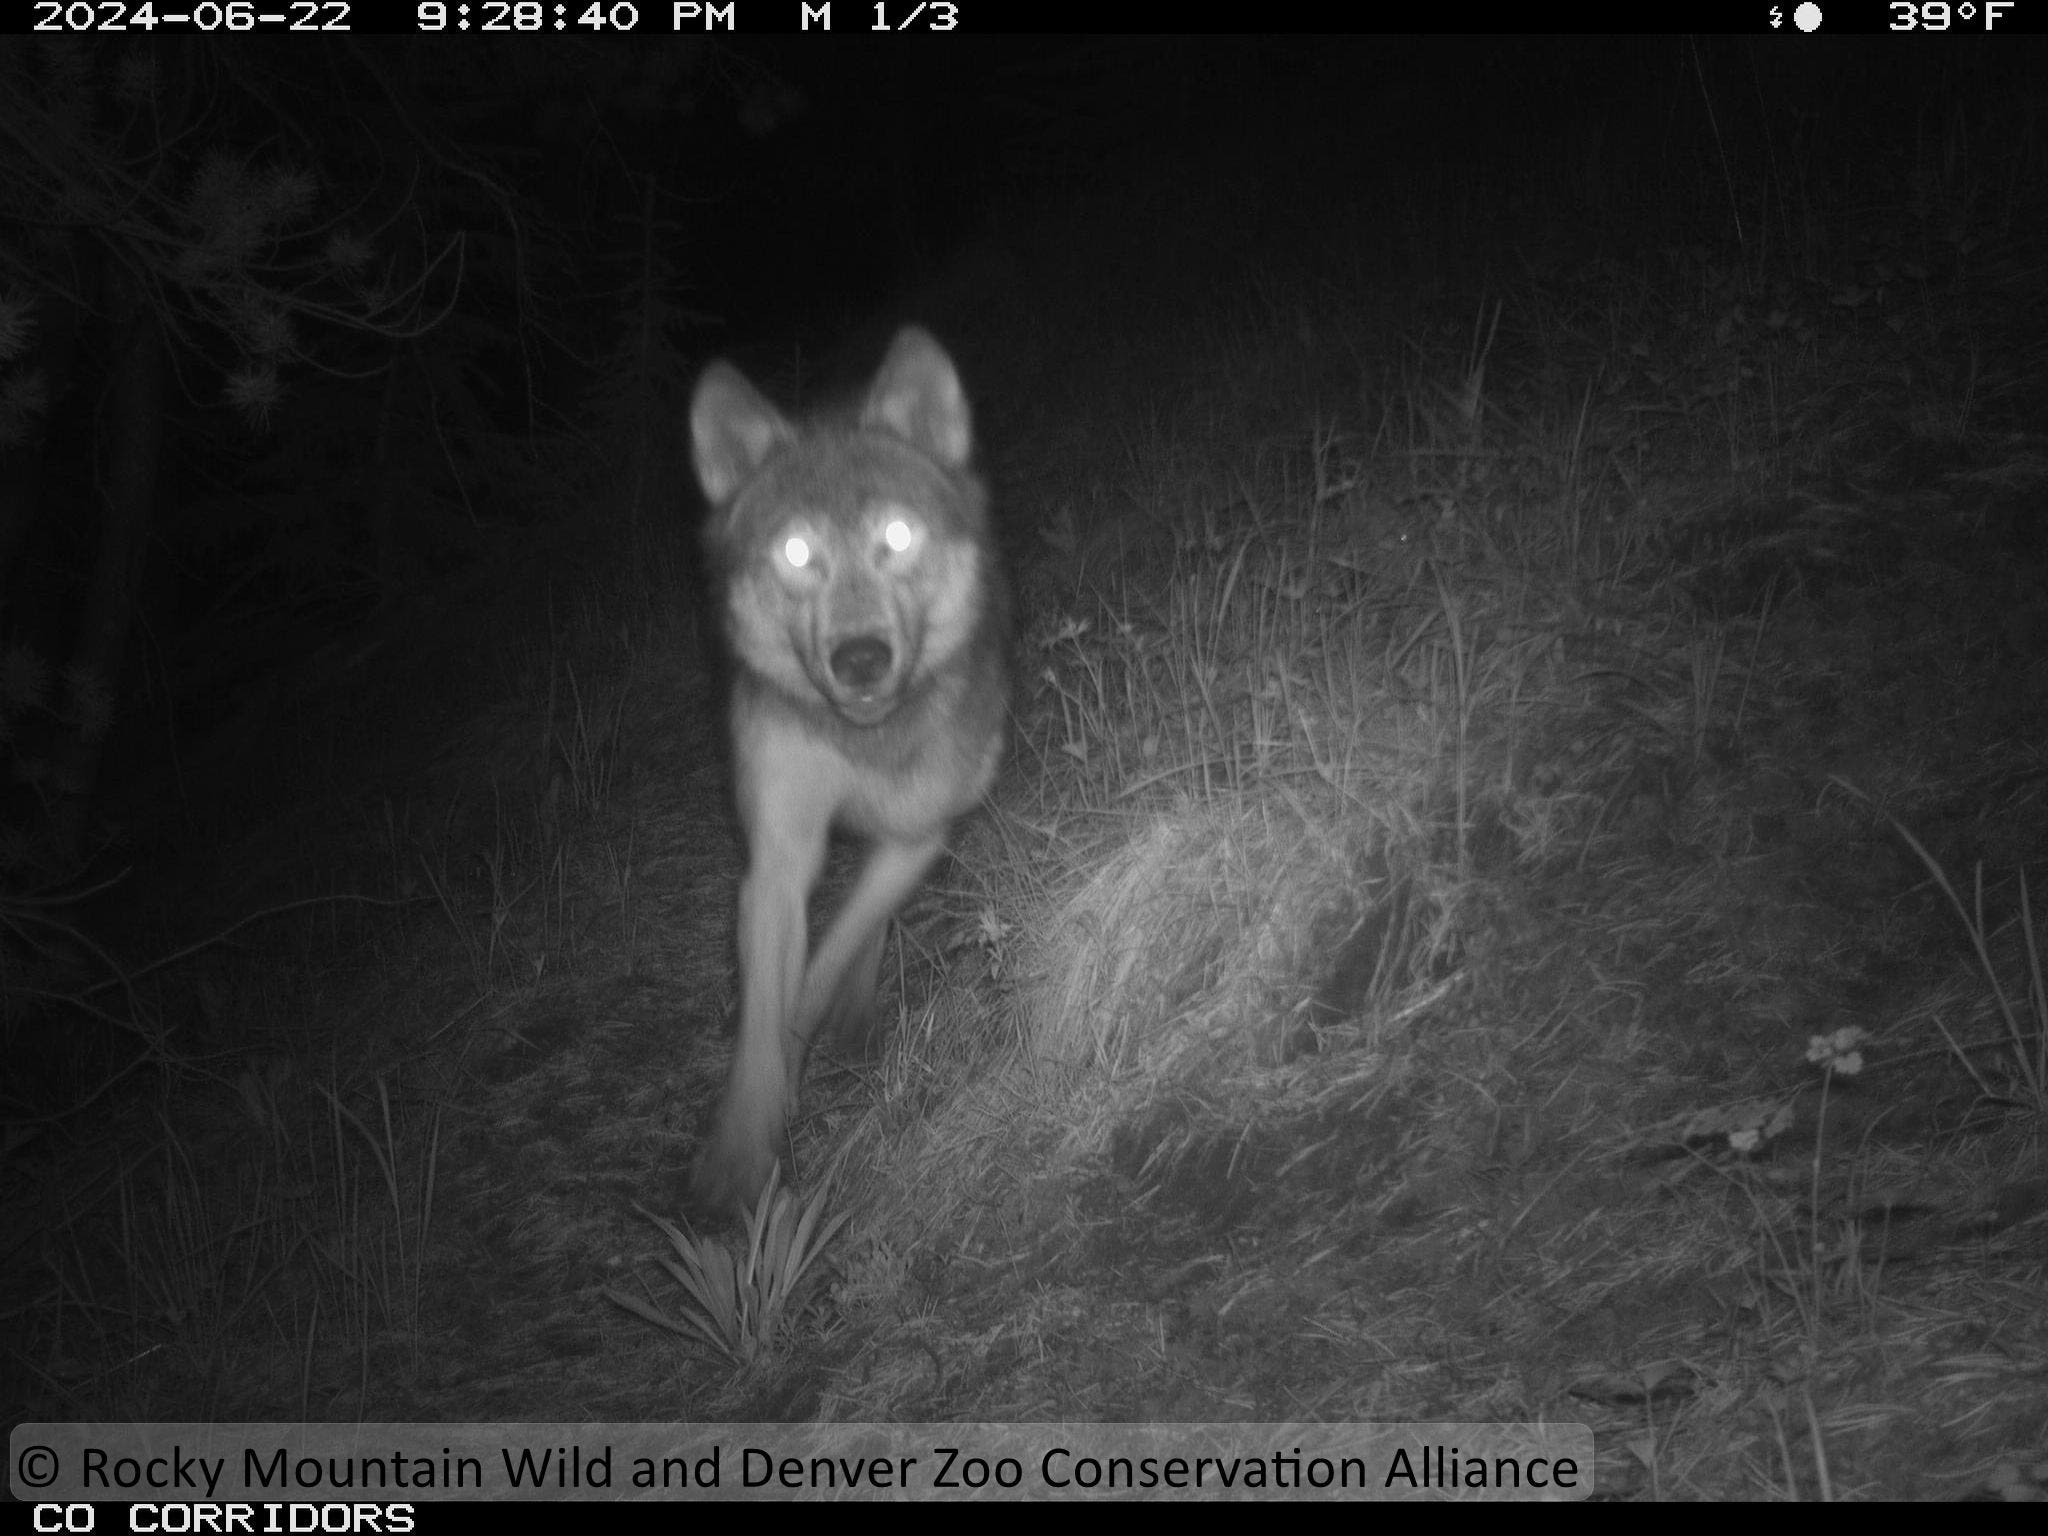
868	627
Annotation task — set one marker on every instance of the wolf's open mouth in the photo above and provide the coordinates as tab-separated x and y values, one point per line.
865	708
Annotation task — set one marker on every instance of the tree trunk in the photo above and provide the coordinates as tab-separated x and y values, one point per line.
131	435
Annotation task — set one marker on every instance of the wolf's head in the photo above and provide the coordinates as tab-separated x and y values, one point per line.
854	553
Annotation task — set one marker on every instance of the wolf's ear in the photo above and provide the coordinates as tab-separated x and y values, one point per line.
732	431
917	396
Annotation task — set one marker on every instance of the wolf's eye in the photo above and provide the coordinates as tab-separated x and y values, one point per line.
897	535
797	551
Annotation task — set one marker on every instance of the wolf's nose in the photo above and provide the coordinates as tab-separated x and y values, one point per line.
861	663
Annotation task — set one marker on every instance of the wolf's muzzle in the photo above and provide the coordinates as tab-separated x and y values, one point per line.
862	664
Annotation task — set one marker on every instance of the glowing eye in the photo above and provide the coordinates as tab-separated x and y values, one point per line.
797	551
897	535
